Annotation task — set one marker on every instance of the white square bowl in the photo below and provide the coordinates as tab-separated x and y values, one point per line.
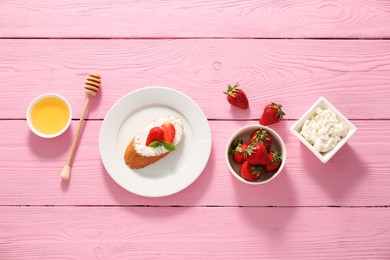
324	104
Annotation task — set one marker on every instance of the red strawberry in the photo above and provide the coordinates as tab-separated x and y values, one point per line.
169	132
272	113
156	138
274	161
237	97
257	154
239	155
261	136
155	134
251	172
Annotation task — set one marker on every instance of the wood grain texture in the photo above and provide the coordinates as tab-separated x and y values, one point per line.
294	73
290	52
356	176
200	18
194	233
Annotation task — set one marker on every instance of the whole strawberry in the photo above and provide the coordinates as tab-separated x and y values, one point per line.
251	172
237	97
272	113
262	136
274	161
239	154
257	154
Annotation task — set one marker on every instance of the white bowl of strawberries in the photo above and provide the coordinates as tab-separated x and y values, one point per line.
255	154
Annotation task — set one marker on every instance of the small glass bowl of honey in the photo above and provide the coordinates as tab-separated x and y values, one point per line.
49	115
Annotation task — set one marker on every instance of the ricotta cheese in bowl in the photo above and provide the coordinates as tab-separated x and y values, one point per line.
323	129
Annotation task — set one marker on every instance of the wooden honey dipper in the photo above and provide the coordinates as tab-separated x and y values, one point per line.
92	86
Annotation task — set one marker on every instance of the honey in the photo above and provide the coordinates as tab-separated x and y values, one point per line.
50	115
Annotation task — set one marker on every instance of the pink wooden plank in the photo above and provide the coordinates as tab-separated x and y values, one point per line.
200	18
357	176
194	233
292	72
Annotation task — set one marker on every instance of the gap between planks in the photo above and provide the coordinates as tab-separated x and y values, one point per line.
196	38
184	206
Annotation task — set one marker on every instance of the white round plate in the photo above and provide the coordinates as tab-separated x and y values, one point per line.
177	170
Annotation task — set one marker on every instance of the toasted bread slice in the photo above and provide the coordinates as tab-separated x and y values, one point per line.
137	161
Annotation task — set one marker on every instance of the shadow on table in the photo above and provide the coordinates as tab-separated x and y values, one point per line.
339	176
50	148
270	207
236	112
182	200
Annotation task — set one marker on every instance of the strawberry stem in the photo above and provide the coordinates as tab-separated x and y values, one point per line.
280	112
232	90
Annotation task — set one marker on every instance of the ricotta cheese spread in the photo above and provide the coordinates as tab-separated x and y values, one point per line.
141	136
323	130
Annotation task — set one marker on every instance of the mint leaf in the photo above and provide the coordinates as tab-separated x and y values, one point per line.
155	144
169	146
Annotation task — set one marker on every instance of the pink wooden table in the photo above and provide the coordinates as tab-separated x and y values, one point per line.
291	52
